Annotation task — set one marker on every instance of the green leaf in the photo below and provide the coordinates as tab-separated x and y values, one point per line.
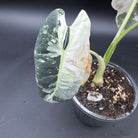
62	57
122	7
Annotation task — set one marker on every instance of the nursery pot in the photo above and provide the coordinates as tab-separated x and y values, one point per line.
92	119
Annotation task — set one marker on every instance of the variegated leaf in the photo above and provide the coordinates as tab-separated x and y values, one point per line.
122	7
62	57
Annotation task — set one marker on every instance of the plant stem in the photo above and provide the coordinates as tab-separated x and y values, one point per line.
98	78
128	30
120	34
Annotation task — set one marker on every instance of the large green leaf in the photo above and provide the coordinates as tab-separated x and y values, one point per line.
122	7
62	57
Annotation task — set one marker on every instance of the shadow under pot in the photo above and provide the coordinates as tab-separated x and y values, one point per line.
114	101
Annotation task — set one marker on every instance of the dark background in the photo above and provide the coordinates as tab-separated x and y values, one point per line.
62	3
23	114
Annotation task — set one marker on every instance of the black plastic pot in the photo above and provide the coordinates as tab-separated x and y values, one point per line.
92	119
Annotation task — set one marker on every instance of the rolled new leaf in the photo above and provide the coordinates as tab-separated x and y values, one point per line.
122	7
62	57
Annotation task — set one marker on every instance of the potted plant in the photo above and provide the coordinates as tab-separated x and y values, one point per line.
102	92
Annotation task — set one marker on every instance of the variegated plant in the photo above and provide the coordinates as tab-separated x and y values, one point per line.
62	53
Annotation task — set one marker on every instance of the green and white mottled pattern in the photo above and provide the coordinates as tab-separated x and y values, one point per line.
62	58
123	6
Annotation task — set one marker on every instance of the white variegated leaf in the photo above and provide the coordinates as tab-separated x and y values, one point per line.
62	57
122	7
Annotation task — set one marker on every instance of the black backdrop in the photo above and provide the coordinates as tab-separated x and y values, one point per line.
87	4
23	114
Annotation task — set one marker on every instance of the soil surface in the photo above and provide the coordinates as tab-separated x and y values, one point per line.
116	96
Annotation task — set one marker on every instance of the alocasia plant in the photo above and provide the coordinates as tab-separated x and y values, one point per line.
62	53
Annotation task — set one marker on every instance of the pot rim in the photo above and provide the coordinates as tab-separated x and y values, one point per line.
105	118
